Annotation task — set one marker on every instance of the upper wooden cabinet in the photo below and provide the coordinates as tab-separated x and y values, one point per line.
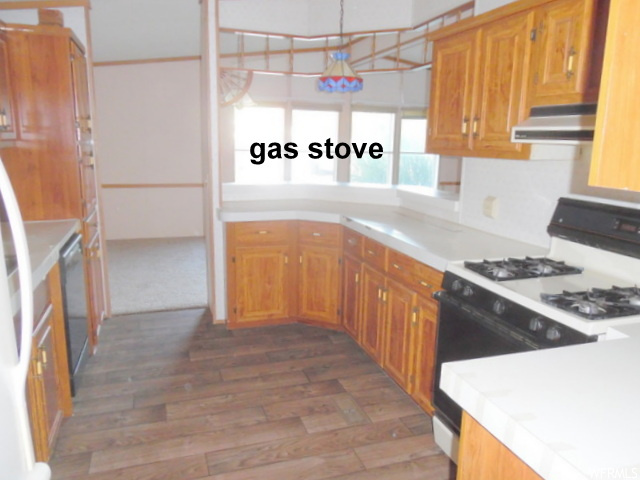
615	162
563	38
489	70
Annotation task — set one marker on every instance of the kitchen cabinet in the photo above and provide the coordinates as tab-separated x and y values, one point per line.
372	311
425	347
616	143
489	70
563	38
319	274
52	167
399	319
351	296
479	89
259	274
483	457
7	120
48	387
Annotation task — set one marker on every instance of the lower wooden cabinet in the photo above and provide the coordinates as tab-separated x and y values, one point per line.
380	297
372	311
400	317
351	296
319	284
48	387
484	457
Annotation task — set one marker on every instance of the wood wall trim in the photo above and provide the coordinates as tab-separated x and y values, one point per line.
152	185
146	60
44	4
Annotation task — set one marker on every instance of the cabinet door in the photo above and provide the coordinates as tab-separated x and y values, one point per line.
7	120
371	321
425	344
261	283
452	81
615	162
94	280
397	349
563	43
351	296
319	279
503	79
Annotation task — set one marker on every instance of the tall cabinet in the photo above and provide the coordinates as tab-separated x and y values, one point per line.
51	161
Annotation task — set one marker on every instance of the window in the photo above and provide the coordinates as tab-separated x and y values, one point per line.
370	127
258	124
416	168
308	126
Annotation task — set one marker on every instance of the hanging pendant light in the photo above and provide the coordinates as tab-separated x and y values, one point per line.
339	76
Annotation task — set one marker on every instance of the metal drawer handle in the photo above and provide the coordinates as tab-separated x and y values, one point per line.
316	234
396	266
371	252
352	241
425	284
572	56
263	232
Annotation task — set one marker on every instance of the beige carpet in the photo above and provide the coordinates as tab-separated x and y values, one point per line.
149	275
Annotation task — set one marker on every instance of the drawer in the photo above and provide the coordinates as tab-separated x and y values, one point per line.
416	275
353	243
401	266
375	253
428	280
41	301
319	233
260	233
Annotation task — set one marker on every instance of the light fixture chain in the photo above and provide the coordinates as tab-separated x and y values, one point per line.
341	22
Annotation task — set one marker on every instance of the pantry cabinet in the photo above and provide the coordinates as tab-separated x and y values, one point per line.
489	70
616	143
52	163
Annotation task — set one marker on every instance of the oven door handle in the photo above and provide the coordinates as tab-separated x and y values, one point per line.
486	320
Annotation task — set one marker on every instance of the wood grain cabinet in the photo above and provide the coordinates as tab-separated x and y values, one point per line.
489	70
48	387
615	162
7	120
319	275
52	164
372	311
260	280
351	296
425	347
479	89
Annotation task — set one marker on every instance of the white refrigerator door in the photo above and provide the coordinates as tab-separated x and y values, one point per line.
16	448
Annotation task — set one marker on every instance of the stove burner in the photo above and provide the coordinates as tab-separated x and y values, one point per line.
520	268
597	303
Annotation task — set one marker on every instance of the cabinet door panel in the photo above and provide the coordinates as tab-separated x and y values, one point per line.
351	296
425	344
452	81
319	284
262	281
398	352
371	317
7	120
563	49
503	80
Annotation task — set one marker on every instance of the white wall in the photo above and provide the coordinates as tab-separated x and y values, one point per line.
150	130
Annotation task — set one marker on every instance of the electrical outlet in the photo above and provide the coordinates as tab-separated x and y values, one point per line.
490	207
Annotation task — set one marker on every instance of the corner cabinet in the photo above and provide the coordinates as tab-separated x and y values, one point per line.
489	70
615	162
52	163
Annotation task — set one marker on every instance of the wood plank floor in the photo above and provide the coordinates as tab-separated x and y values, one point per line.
172	397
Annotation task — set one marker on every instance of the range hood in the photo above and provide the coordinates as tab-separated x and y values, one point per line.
557	124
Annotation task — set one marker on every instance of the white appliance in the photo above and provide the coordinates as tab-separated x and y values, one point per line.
588	281
16	448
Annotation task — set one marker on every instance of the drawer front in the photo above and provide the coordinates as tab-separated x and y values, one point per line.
353	243
428	280
261	233
420	277
401	266
41	301
375	253
319	233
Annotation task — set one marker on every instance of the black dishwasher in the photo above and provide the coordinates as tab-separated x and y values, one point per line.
75	304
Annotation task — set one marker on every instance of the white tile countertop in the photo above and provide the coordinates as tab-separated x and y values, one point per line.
428	239
45	239
569	413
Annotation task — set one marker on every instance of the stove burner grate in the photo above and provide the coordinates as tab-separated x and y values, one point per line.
597	303
521	268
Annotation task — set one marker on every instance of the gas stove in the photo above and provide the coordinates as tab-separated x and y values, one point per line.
589	278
